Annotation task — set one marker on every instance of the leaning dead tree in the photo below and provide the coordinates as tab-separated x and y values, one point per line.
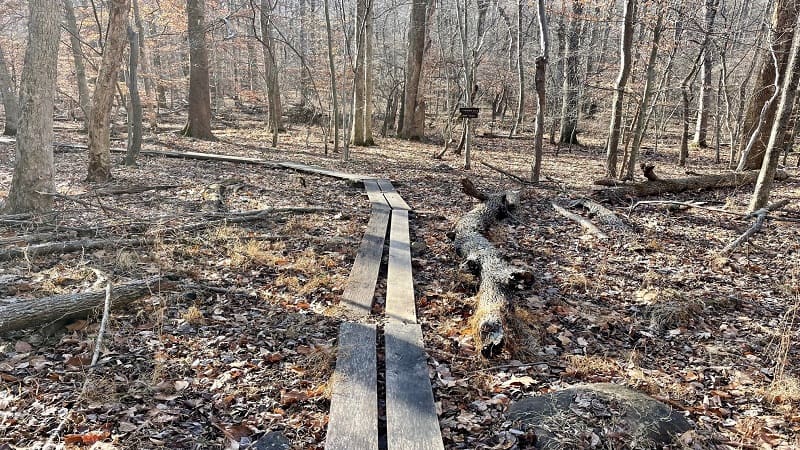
657	186
483	259
16	314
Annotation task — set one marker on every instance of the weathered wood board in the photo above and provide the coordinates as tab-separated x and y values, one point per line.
400	283
360	290
374	193
394	199
411	421
353	421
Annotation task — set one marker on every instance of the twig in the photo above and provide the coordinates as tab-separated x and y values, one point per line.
516	178
105	209
106	311
761	216
687	204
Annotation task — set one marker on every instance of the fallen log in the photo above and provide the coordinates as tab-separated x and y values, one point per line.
675	185
482	258
604	215
19	313
582	221
49	248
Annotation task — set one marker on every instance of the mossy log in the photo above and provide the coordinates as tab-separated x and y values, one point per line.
483	259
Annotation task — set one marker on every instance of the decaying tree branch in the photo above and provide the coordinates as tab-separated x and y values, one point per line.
675	185
761	216
482	258
19	313
604	215
582	221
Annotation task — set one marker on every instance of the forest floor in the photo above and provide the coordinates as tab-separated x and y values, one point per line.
245	343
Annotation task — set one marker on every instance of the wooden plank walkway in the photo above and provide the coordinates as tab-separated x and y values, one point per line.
353	420
410	412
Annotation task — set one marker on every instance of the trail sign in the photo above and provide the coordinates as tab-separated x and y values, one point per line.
469	113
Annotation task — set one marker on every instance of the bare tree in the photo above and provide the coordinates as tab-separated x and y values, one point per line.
9	97
271	69
701	127
414	117
783	114
332	69
539	81
762	107
104	89
198	124
32	181
135	109
362	84
84	99
626	42
568	132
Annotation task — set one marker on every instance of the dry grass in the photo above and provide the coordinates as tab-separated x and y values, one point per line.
582	366
668	308
193	315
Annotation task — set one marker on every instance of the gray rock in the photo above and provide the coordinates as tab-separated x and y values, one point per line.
274	440
603	416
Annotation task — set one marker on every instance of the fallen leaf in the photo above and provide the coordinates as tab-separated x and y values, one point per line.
23	347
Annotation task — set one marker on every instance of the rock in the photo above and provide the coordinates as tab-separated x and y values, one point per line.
274	440
602	415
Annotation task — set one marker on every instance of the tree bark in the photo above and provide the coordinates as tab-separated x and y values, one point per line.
104	90
520	113
626	42
198	124
9	97
783	19
332	69
18	313
571	87
641	119
540	83
412	127
775	145
271	70
701	127
481	257
135	112
33	172
77	56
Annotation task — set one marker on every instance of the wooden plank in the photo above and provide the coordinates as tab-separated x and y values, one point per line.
394	198
353	420
411	421
360	289
374	193
399	280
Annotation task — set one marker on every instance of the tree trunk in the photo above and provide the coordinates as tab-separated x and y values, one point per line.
369	85
33	172
361	121
520	113
135	111
198	124
271	70
17	314
626	42
539	81
783	19
571	88
413	128
641	119
104	89
77	56
161	92
332	69
144	64
783	114
701	127
9	98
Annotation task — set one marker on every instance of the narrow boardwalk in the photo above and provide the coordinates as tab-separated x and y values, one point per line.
411	421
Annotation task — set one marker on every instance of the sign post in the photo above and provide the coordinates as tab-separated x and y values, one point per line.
468	113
